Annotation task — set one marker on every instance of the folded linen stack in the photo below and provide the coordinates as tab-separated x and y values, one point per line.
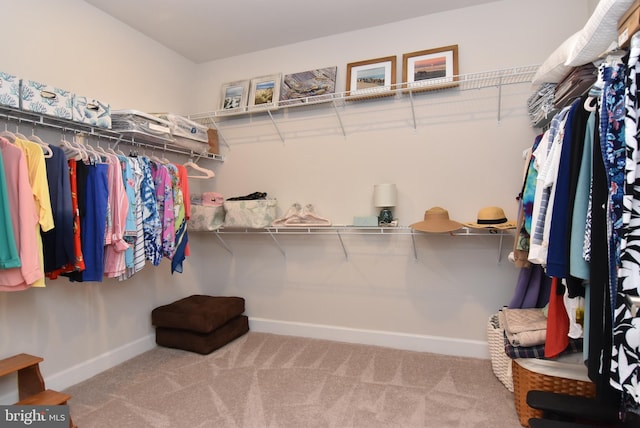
524	327
540	105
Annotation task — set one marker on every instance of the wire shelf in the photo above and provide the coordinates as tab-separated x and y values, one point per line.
341	231
461	82
340	102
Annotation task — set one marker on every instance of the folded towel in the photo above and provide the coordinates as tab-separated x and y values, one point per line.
528	338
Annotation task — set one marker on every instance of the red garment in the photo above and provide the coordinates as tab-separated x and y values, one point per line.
557	323
186	197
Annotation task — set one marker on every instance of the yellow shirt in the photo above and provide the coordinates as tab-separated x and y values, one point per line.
40	187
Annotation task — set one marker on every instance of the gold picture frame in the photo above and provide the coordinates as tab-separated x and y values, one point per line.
430	69
265	91
371	78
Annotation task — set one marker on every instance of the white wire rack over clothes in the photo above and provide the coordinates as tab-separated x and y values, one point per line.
133	138
334	107
345	230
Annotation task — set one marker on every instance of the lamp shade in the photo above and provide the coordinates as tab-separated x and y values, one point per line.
384	195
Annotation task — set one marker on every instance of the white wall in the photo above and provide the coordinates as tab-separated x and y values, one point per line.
462	159
72	45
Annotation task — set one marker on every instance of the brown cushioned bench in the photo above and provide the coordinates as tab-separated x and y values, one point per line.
200	323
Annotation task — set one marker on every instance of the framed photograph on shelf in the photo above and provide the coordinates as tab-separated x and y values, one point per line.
308	86
371	78
234	95
265	91
430	69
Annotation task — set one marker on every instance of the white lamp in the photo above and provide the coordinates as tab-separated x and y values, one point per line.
384	196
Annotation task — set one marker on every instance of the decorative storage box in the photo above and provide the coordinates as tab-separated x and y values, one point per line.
9	90
547	375
44	99
255	214
205	219
91	112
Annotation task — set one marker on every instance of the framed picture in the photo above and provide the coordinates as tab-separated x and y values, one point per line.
234	95
265	91
300	87
371	78
431	69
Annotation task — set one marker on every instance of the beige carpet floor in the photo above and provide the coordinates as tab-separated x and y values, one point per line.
271	381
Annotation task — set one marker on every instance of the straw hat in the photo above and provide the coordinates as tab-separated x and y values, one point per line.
492	217
436	220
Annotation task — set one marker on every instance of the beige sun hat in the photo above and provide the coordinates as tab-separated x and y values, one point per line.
492	218
436	220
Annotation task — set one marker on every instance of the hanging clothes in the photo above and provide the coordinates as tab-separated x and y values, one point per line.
625	367
24	218
115	244
39	185
164	199
150	215
93	185
58	243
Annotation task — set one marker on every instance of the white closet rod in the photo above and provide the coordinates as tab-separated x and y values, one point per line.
101	133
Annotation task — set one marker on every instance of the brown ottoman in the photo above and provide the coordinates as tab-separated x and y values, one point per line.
200	323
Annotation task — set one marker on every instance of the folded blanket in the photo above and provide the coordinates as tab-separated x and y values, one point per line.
575	345
519	320
523	335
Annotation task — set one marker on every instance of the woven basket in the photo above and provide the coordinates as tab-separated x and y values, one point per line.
526	380
500	361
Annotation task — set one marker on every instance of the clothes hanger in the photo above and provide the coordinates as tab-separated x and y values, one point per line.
207	172
48	153
156	159
71	151
18	134
8	134
92	154
115	152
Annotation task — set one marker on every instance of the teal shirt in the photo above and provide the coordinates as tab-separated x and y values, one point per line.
9	257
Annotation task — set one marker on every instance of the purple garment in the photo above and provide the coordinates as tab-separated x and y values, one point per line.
532	289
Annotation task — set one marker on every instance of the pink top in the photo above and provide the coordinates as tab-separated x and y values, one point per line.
24	219
114	261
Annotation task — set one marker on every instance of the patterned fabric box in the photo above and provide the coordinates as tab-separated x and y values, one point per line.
9	90
205	218
91	112
44	99
254	214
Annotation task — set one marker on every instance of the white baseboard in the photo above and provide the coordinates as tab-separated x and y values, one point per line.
76	374
410	342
